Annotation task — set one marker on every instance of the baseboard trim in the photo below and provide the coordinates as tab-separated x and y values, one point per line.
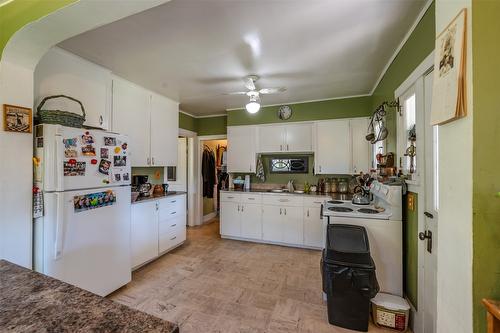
209	217
261	241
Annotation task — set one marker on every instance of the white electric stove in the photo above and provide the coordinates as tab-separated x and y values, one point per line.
382	219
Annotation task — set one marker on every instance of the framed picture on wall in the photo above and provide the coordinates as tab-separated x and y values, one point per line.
449	100
17	119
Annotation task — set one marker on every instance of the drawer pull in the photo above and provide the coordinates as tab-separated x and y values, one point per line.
284	200
173	238
173	213
230	197
251	198
173	201
173	225
317	202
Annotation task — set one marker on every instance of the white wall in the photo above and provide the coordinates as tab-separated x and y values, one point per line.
454	273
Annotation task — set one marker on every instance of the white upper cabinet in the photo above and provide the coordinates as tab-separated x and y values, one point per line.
164	131
62	73
131	116
361	149
271	138
292	138
241	148
333	147
299	138
151	121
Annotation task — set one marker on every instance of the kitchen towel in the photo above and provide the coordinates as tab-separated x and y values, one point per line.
260	169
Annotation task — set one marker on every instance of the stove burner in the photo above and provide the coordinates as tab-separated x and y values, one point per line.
368	211
334	202
340	209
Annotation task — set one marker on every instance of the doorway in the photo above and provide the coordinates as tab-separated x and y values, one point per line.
212	175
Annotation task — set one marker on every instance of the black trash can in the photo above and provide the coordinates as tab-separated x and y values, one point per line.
349	279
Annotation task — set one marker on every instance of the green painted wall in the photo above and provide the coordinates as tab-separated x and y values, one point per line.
187	122
486	156
330	109
410	246
203	126
416	49
155	174
18	13
211	126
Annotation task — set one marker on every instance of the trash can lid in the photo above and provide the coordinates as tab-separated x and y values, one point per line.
391	302
347	245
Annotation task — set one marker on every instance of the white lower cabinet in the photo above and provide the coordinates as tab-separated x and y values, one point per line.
144	232
287	220
251	221
157	226
314	227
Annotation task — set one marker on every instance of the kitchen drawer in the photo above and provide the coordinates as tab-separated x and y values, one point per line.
315	201
283	200
172	225
172	207
251	198
230	197
168	241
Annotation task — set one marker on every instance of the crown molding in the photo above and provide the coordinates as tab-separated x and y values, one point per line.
207	116
400	46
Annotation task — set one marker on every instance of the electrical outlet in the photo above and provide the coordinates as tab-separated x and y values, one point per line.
410	200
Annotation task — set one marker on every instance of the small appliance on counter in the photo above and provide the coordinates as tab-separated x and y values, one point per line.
141	185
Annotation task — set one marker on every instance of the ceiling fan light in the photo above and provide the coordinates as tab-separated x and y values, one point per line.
252	107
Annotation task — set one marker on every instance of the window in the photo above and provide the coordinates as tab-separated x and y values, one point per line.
407	134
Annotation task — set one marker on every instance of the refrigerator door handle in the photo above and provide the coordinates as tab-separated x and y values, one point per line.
59	158
59	226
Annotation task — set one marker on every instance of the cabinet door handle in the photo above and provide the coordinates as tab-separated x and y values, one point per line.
285	211
242	208
101	120
320	168
149	161
153	160
308	213
238	208
280	211
281	147
173	238
287	148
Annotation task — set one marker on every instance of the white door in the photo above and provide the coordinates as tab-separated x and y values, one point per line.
131	116
271	138
251	221
314	227
293	227
272	223
144	232
429	234
298	138
230	219
241	150
89	248
333	147
180	182
164	131
361	149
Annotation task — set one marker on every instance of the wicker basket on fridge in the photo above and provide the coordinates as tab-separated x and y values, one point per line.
59	117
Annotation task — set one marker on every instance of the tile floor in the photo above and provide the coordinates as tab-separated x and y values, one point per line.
214	285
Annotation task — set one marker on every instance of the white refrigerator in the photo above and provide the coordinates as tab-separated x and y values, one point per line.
82	234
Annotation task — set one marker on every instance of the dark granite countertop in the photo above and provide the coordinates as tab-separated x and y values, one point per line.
159	196
33	302
334	196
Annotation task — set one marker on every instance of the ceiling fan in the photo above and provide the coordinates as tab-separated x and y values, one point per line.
253	106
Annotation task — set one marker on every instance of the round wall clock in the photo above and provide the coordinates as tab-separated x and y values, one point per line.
285	112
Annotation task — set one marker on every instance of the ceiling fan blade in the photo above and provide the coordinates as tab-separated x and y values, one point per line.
249	82
237	93
267	91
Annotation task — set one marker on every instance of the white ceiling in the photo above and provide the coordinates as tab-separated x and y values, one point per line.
194	51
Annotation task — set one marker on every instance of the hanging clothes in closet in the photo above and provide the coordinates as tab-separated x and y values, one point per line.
208	171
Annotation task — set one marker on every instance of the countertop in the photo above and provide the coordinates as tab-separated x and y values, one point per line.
155	197
335	196
33	302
